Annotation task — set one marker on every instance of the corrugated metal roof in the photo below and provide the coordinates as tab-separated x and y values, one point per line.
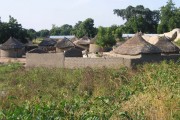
63	36
131	35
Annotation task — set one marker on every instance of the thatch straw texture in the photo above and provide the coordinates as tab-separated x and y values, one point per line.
12	43
136	45
37	50
64	43
48	42
166	45
83	41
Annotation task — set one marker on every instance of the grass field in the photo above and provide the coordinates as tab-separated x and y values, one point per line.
152	91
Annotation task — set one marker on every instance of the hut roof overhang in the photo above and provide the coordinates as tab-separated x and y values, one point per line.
166	46
37	50
137	45
12	43
82	41
48	42
64	43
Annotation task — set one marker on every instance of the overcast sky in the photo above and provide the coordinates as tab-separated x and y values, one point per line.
41	14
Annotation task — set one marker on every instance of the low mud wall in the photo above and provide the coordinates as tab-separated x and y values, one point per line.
45	60
58	60
96	62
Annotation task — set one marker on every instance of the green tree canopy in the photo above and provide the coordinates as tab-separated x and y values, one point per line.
105	37
85	28
32	34
43	33
169	17
66	29
139	19
12	29
63	30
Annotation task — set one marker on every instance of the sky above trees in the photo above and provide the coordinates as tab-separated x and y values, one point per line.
41	14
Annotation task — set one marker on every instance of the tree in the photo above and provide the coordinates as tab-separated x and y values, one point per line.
105	37
66	29
63	30
55	30
32	34
170	17
116	31
85	28
12	29
139	19
43	33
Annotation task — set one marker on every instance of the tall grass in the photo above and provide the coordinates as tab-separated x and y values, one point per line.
150	92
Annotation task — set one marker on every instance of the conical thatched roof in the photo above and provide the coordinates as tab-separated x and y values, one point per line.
73	52
47	42
136	45
37	50
64	43
12	43
166	45
83	41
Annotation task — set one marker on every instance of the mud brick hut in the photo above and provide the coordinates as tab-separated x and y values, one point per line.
166	46
47	44
12	48
135	46
83	43
64	44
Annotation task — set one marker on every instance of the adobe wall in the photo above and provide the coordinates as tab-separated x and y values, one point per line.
58	60
11	53
45	60
96	62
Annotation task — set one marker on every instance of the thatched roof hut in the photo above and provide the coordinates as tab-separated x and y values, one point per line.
12	43
64	44
73	52
12	48
47	42
37	50
136	45
83	41
166	45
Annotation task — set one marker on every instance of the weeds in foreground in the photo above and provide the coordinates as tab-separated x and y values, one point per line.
150	92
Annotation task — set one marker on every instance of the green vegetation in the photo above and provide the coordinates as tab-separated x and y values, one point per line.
150	92
105	37
139	19
12	29
169	17
178	43
85	28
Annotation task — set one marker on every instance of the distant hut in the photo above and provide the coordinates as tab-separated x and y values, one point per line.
154	39
83	43
37	50
64	44
29	46
135	46
166	46
73	52
47	44
12	48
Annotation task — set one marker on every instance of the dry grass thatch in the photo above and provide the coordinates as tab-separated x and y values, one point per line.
12	43
166	45
47	42
136	45
82	41
64	43
37	50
